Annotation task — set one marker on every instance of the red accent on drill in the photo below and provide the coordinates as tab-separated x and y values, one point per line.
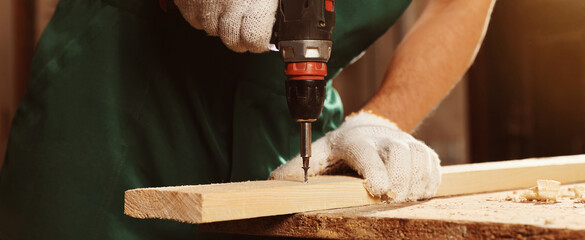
306	71
330	5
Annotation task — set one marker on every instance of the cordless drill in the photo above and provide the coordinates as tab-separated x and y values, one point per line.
303	34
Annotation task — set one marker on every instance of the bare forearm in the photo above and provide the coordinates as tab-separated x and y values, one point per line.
431	59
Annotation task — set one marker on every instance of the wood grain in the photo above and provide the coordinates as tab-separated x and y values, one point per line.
231	201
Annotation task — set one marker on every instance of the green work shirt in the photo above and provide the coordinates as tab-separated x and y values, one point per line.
124	96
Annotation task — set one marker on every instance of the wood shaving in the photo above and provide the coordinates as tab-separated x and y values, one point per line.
579	194
547	191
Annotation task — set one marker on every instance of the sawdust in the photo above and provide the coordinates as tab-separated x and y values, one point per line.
548	192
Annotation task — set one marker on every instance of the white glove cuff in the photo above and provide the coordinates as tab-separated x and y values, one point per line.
370	118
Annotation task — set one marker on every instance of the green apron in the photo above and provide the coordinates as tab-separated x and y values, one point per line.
124	96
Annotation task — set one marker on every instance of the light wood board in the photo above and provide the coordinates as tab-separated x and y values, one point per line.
220	202
479	216
507	175
231	201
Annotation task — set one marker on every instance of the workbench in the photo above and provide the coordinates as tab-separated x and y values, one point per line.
470	203
481	216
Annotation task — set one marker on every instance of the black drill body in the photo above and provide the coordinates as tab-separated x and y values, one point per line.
304	20
303	34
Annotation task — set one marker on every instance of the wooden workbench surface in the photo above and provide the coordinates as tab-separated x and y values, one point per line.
478	216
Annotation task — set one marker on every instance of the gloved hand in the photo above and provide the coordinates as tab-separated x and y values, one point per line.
394	164
242	25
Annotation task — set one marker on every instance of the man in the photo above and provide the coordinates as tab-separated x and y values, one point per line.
123	95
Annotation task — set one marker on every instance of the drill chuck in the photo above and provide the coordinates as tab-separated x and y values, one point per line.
305	99
305	89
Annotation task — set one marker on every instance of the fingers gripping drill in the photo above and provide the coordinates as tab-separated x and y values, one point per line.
303	34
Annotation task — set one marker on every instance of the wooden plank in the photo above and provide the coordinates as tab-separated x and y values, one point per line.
480	216
506	175
221	202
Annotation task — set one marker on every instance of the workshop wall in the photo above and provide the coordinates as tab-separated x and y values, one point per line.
527	87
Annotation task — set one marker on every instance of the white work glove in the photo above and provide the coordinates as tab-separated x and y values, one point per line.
242	25
394	164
